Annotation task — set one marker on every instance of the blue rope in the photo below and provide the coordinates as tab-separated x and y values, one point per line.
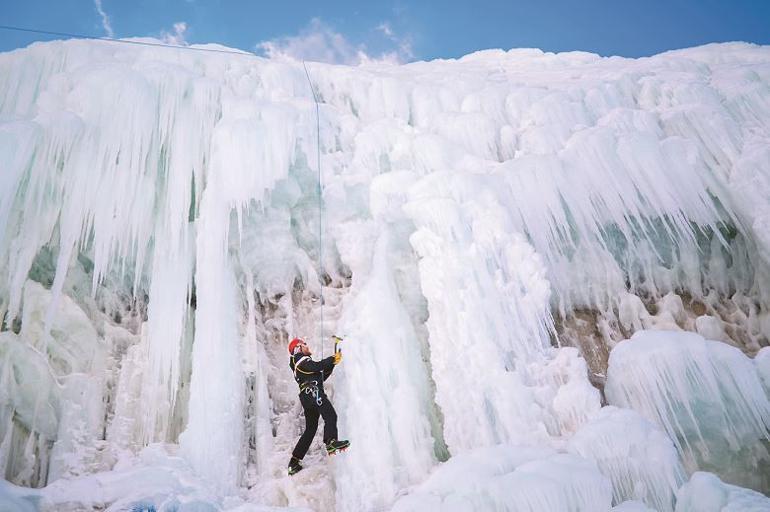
320	203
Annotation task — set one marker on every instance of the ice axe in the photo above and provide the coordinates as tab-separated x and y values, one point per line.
337	341
337	350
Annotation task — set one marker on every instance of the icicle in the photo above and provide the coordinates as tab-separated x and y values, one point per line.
705	394
639	459
167	315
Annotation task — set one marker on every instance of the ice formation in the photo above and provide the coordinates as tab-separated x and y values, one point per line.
638	457
762	362
707	493
707	396
493	228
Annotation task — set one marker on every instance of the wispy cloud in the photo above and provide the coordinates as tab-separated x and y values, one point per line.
316	42
177	36
384	27
320	42
105	19
403	43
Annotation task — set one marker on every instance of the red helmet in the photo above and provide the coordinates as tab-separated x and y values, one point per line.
293	344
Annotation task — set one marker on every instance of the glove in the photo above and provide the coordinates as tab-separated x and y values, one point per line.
337	358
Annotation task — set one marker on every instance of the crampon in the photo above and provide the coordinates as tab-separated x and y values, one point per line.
333	447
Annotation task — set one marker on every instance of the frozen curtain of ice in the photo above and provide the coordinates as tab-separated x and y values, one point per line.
493	228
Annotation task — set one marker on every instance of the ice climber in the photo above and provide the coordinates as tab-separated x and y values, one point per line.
310	375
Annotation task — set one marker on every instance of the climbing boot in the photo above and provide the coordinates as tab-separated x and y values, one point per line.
335	446
294	466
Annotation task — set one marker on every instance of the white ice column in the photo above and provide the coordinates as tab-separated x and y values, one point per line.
166	316
382	393
255	363
213	438
186	120
488	305
82	413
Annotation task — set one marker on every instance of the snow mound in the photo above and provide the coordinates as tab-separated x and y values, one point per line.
505	477
154	478
632	506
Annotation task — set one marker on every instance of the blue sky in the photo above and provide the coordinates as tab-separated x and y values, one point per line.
344	30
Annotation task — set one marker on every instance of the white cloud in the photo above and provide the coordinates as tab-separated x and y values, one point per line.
403	43
384	27
176	37
319	42
105	19
316	42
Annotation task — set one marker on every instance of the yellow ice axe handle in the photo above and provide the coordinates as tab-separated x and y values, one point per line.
337	340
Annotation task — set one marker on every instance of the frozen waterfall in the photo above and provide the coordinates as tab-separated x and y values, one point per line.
552	273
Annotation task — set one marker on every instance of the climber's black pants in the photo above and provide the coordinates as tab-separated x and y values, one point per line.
312	411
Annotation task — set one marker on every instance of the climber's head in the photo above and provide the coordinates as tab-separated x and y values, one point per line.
298	345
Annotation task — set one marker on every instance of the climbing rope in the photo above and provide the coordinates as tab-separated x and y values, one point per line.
320	203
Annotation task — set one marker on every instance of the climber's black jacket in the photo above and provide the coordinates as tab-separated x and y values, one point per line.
310	375
310	372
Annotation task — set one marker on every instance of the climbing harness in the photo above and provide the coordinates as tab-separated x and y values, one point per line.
311	388
296	366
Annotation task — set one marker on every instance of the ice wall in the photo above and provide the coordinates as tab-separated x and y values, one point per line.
160	244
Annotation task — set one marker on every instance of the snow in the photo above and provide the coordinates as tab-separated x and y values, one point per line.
507	477
631	506
17	499
496	228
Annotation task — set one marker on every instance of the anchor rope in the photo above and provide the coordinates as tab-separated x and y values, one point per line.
320	204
